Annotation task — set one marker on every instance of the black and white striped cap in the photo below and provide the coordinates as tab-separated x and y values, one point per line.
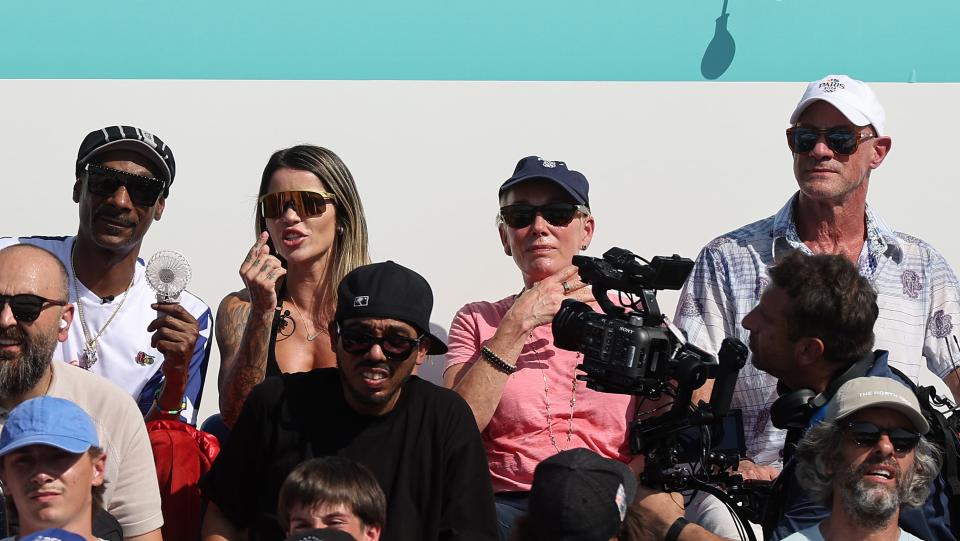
133	139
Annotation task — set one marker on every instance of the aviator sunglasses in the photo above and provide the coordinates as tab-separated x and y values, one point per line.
556	214
26	307
868	434
306	203
394	346
104	181
842	140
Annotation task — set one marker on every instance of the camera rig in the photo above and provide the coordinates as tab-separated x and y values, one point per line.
639	352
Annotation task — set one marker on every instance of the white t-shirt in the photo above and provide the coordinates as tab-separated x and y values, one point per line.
125	355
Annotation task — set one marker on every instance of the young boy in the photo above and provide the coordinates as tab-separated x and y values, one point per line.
332	492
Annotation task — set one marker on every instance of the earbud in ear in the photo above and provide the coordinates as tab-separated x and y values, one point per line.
63	324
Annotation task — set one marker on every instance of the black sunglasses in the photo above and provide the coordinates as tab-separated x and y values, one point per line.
868	434
556	214
26	307
394	346
104	181
842	140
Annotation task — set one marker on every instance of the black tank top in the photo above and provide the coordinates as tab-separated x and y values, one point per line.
279	321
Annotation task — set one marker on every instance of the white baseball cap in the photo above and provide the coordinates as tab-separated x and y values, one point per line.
851	97
875	392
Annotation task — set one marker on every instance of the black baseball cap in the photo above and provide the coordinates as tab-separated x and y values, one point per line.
531	167
321	534
578	495
129	138
388	290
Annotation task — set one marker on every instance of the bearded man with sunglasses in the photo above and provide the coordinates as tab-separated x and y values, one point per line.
123	177
34	317
838	137
866	461
419	440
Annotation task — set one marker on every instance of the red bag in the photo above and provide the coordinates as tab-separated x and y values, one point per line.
182	454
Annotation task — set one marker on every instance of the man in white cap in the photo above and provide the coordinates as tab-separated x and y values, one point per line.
866	461
838	136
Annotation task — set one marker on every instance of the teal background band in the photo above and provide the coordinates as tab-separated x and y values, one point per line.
552	40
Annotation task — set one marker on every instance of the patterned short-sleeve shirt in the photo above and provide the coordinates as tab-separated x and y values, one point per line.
918	297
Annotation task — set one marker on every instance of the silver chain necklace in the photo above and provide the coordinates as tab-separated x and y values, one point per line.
310	338
546	400
89	356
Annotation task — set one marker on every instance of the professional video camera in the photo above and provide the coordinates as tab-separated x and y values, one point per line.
639	352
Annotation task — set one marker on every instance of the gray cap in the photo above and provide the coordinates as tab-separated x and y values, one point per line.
874	392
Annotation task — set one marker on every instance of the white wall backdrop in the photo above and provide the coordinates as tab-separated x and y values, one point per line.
671	165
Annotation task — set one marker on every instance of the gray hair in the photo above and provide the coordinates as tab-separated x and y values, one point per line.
818	453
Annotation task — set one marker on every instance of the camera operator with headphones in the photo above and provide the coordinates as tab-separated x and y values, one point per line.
813	330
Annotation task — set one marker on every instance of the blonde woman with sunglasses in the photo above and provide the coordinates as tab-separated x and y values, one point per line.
311	231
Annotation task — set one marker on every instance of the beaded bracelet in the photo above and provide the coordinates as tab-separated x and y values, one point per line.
156	403
496	361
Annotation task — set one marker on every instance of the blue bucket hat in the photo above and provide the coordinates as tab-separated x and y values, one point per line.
50	421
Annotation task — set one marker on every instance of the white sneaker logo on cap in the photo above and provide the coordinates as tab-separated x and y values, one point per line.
831	85
549	164
362	300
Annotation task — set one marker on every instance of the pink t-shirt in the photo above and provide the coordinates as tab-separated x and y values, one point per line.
517	437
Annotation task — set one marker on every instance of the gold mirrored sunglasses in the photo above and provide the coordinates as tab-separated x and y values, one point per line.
306	203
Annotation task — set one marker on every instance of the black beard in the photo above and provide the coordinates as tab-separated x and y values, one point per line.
21	373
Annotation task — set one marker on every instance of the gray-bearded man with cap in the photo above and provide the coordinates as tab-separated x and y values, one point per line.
866	461
123	178
838	137
419	440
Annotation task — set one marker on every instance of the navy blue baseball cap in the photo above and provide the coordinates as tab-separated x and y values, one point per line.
321	534
533	167
52	534
50	421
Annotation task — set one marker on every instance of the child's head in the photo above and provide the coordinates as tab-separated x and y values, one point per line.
332	492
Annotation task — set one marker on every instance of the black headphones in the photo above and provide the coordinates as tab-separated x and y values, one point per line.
794	408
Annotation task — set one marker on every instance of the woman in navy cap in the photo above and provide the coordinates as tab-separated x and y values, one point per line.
523	391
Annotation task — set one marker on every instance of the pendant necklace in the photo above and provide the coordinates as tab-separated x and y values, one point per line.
310	337
89	356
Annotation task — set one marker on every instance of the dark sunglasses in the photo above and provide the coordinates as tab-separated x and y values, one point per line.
394	346
556	214
868	434
305	203
842	140
26	307
104	181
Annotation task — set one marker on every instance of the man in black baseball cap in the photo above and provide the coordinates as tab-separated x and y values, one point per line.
419	440
123	178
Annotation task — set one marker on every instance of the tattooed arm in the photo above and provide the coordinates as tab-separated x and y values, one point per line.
244	321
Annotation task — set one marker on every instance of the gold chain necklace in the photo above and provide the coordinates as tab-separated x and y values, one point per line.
546	400
89	356
310	337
